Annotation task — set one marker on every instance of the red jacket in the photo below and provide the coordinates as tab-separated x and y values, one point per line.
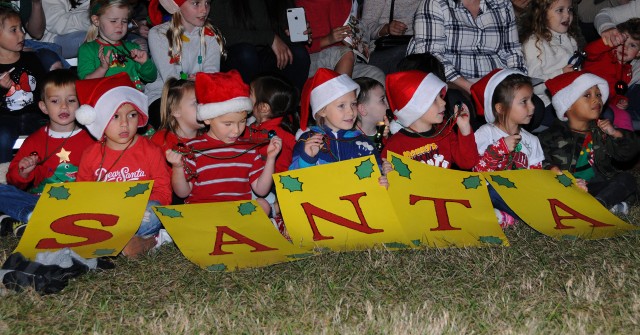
261	132
601	61
324	15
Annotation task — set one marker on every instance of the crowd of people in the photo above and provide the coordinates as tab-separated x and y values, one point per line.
209	99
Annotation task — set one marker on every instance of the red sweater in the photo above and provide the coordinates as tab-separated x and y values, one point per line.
141	161
261	132
601	61
60	159
440	151
324	15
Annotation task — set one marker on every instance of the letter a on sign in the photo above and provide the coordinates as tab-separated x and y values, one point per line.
94	219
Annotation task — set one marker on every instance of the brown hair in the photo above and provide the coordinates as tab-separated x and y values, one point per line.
172	93
630	27
504	94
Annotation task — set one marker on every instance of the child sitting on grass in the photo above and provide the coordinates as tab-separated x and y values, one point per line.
112	110
49	155
586	145
417	101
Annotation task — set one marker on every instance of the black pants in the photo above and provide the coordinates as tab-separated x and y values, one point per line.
622	187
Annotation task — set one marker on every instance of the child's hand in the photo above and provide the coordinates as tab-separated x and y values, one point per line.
5	79
582	184
104	59
568	68
386	167
512	141
623	103
275	145
383	181
27	164
313	144
385	134
556	170
174	158
139	56
464	120
607	127
338	34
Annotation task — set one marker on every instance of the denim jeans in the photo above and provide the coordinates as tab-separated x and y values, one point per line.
70	43
14	124
16	203
46	48
150	224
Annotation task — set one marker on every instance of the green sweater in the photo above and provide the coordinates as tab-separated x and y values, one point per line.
88	62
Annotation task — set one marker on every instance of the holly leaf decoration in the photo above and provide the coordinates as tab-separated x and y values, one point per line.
502	181
104	252
169	212
217	267
300	256
491	240
401	167
136	190
59	193
246	208
365	169
396	245
564	180
291	184
471	182
416	243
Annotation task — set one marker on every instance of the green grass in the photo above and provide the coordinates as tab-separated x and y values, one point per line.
538	285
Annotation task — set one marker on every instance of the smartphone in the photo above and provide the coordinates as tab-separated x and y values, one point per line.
297	24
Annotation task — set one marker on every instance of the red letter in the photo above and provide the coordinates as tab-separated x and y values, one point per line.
441	210
573	215
239	239
362	226
66	225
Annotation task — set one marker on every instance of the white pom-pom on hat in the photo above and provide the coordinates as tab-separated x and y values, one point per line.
86	115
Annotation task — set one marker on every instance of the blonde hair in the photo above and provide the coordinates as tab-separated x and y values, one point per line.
172	93
99	7
176	30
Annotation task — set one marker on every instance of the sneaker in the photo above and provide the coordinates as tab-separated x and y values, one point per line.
8	226
162	238
19	229
621	208
505	220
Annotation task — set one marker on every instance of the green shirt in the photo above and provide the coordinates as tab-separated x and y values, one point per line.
88	62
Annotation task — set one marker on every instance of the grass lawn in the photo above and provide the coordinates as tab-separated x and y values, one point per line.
538	285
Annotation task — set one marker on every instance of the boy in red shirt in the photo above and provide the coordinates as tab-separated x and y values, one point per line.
416	99
49	155
112	110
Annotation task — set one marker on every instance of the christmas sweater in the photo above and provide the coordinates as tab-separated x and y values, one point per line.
216	175
601	61
58	154
495	155
261	132
24	93
140	74
338	146
143	160
441	151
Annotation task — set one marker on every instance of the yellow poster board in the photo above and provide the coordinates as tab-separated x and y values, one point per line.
553	205
442	208
340	206
226	236
94	219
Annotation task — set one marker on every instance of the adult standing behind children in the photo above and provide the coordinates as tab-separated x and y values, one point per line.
375	18
181	47
257	40
470	37
20	77
67	24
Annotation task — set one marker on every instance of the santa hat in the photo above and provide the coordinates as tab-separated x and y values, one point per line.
568	87
221	93
482	91
320	90
410	94
101	98
171	6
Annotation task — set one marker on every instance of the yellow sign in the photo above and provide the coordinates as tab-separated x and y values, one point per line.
94	219
340	206
442	208
553	205
225	236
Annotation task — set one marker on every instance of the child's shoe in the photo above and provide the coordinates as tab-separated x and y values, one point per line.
162	238
505	220
621	208
10	226
278	222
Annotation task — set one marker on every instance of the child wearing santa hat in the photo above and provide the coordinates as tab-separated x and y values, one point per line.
586	145
504	97
220	165
112	111
416	99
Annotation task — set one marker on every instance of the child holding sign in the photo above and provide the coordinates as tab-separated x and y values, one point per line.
586	145
112	110
417	101
49	155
